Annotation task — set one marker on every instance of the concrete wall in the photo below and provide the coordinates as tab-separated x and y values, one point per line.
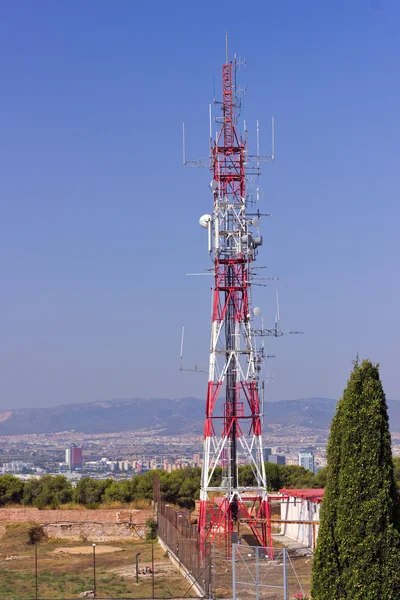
298	509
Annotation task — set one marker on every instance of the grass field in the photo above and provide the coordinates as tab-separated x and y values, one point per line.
62	574
65	570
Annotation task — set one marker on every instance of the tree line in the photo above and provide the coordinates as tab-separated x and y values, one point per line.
180	487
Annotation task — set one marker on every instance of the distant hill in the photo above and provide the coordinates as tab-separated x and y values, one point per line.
315	413
171	417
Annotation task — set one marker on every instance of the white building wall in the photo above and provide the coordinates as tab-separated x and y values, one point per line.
299	509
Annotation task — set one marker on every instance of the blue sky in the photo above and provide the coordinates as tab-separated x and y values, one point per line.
99	220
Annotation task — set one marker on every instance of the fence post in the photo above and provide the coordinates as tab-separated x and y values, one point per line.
234	571
257	574
213	574
285	582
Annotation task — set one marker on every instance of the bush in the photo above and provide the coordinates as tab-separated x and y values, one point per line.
11	490
151	532
36	534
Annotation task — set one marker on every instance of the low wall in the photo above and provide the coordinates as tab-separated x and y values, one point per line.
99	515
100	532
92	525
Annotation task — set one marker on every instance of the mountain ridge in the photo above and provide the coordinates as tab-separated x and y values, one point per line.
166	416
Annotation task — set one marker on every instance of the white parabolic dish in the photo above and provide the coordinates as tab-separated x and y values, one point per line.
204	221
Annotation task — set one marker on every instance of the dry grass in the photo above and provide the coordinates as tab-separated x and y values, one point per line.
65	575
71	506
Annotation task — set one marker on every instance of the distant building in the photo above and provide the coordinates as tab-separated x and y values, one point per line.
306	460
276	459
197	460
124	465
73	457
167	466
266	452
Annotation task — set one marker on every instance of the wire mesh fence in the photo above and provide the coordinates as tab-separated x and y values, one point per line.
181	537
245	572
250	575
255	575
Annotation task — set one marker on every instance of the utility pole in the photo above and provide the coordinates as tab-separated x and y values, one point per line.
137	567
94	570
36	573
152	568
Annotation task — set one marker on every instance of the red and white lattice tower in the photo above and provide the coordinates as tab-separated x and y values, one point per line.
232	430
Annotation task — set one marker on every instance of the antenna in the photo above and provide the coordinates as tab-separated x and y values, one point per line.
198	162
196	368
210	113
181	355
262	157
183	144
226	47
273	138
278	316
276	331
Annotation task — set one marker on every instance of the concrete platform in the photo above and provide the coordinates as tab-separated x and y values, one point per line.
293	545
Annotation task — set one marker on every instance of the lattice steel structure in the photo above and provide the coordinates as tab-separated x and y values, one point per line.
232	430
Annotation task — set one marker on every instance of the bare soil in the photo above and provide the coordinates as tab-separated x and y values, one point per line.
87	549
161	570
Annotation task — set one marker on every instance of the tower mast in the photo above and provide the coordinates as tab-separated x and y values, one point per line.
232	429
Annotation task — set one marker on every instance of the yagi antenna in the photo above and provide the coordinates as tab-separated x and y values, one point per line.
258	157
276	331
198	162
196	368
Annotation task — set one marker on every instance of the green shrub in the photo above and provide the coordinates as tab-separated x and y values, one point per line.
151	531
36	534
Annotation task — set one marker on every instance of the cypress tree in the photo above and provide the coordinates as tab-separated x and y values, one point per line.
358	548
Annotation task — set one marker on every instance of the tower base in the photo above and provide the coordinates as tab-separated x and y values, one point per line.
220	517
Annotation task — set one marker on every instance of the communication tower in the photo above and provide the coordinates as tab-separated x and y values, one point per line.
232	430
